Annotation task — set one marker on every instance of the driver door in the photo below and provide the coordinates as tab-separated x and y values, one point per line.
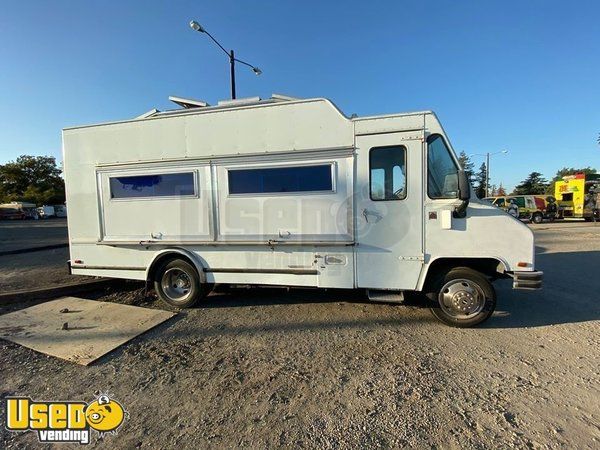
389	210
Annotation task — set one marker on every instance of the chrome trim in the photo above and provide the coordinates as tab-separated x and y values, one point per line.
108	268
279	271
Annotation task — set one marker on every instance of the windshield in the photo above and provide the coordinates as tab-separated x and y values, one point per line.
442	171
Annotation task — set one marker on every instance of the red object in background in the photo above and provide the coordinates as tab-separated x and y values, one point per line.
540	203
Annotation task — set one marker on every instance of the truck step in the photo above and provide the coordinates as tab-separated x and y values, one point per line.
385	296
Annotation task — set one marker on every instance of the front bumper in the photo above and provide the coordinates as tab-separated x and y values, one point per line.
527	280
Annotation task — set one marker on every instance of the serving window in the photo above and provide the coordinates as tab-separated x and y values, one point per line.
277	180
154	185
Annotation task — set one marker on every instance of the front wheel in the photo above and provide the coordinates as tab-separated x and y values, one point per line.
462	297
177	284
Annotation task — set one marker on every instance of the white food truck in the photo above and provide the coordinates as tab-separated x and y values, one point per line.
288	192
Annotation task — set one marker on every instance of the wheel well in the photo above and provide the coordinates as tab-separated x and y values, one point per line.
490	267
167	256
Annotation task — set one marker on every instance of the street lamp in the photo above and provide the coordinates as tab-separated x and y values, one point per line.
487	166
232	59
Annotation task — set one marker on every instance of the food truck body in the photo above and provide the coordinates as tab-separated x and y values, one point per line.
288	192
572	191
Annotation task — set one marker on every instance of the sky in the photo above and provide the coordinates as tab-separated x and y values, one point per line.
522	76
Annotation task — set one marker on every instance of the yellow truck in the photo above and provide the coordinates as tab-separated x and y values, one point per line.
577	195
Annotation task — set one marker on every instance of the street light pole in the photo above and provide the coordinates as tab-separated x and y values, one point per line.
487	167
487	173
232	64
232	59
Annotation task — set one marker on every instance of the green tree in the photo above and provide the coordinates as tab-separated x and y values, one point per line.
467	165
535	183
481	179
34	179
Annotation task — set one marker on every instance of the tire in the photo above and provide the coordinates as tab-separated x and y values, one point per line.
178	284
461	297
537	217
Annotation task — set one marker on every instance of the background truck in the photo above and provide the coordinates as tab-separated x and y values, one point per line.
530	207
577	194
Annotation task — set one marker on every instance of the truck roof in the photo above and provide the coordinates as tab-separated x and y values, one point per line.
194	107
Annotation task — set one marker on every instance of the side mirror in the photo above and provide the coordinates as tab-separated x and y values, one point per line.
464	194
464	187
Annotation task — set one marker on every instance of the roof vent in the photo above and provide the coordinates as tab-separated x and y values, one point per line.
148	114
239	101
188	103
282	97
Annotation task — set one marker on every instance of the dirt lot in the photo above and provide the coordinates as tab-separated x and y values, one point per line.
329	370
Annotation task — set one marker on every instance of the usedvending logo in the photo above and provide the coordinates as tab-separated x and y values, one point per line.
65	421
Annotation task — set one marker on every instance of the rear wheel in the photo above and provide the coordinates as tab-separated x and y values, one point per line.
462	297
177	284
537	217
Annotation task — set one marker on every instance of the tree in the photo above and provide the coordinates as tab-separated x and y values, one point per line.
481	179
34	179
501	191
467	165
535	183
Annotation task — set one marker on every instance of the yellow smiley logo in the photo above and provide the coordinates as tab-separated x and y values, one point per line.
104	415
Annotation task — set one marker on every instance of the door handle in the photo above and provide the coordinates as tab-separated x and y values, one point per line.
366	213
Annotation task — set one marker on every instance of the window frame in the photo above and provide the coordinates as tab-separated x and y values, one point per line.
333	174
454	159
194	173
405	150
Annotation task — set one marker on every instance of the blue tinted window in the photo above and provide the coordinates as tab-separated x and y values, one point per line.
280	179
166	185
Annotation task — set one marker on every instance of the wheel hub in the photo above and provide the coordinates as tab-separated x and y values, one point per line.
462	298
176	284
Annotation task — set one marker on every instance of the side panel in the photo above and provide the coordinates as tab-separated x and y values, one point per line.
289	265
389	233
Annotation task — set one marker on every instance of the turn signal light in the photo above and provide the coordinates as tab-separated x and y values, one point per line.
522	264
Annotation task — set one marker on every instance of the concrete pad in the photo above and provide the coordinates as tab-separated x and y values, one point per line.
92	328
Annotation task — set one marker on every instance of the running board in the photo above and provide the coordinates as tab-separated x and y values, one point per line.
385	296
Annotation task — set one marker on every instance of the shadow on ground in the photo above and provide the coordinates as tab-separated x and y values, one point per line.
571	293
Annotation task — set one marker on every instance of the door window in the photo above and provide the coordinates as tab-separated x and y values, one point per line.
442	171
387	167
520	201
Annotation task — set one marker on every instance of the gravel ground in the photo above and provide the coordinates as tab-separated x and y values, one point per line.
267	368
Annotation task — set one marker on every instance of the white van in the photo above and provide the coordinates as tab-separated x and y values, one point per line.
288	192
46	212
